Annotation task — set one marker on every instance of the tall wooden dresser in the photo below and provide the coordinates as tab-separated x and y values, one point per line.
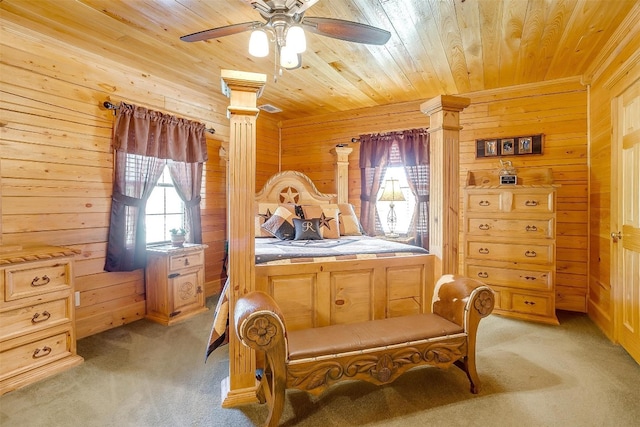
510	241
37	328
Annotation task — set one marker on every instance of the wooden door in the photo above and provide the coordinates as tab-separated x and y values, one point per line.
626	237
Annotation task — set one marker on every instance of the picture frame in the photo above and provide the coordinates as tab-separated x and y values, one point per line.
507	147
510	146
525	145
491	148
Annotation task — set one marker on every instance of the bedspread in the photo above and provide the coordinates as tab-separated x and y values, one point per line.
275	251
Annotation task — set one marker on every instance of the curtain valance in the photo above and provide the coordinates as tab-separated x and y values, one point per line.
375	148
144	132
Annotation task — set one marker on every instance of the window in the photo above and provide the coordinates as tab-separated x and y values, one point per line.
404	210
165	210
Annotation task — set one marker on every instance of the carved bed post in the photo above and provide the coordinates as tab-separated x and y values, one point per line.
342	172
444	132
243	90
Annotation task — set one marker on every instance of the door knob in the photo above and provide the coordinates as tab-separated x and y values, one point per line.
616	236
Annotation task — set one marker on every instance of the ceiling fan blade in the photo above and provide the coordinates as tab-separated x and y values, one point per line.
214	33
346	30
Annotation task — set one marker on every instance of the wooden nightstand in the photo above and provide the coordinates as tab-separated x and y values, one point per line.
175	282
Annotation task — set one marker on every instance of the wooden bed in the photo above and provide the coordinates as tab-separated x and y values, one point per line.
337	291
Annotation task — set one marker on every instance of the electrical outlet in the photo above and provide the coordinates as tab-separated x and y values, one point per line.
77	295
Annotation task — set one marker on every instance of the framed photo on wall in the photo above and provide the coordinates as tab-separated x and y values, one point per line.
512	146
525	145
507	147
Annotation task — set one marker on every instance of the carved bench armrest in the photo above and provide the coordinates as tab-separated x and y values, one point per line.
259	322
461	299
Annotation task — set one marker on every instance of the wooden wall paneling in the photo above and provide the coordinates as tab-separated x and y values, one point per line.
557	108
57	162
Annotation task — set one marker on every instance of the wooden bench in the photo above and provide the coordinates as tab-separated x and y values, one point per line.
378	351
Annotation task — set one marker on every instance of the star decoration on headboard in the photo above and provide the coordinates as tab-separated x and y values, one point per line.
289	195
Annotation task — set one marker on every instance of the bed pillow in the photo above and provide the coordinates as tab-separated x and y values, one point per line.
265	210
329	219
349	222
307	229
280	224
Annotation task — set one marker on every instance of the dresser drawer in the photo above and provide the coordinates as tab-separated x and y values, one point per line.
525	228
26	320
483	202
538	305
521	279
530	253
36	278
32	351
534	201
191	259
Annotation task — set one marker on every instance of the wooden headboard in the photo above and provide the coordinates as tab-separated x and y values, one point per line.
292	187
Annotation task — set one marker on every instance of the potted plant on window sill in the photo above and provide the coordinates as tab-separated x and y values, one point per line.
178	236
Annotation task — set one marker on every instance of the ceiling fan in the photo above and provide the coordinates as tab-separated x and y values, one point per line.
285	22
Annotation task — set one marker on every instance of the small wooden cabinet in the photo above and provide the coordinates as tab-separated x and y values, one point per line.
37	329
510	241
174	282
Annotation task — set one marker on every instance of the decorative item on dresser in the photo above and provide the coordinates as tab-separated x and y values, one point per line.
37	333
174	281
510	241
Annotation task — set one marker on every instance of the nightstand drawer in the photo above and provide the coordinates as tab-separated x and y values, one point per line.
516	228
523	279
35	317
530	253
36	278
191	259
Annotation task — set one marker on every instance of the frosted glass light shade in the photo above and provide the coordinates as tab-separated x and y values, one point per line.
392	192
296	40
288	58
259	44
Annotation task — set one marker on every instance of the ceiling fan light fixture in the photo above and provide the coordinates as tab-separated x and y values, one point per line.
296	40
259	44
289	59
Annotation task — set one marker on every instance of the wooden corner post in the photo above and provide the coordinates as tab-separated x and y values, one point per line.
342	172
444	135
243	90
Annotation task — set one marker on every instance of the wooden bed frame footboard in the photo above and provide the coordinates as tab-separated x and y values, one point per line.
313	295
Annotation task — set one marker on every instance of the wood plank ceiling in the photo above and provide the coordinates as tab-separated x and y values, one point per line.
436	46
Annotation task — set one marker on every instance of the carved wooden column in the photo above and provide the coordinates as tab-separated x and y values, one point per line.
444	133
243	89
342	172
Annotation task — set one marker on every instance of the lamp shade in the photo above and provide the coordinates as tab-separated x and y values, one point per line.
392	191
289	59
296	40
259	44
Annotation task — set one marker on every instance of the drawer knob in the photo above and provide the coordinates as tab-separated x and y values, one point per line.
531	203
36	281
530	303
530	254
531	228
483	275
41	352
186	261
484	226
483	251
530	278
37	318
484	203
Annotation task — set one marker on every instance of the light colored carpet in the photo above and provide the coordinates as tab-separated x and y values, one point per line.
145	374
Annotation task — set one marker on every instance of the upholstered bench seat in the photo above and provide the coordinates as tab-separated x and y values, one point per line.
338	340
377	351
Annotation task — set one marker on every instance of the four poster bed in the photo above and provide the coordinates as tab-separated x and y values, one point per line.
342	279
